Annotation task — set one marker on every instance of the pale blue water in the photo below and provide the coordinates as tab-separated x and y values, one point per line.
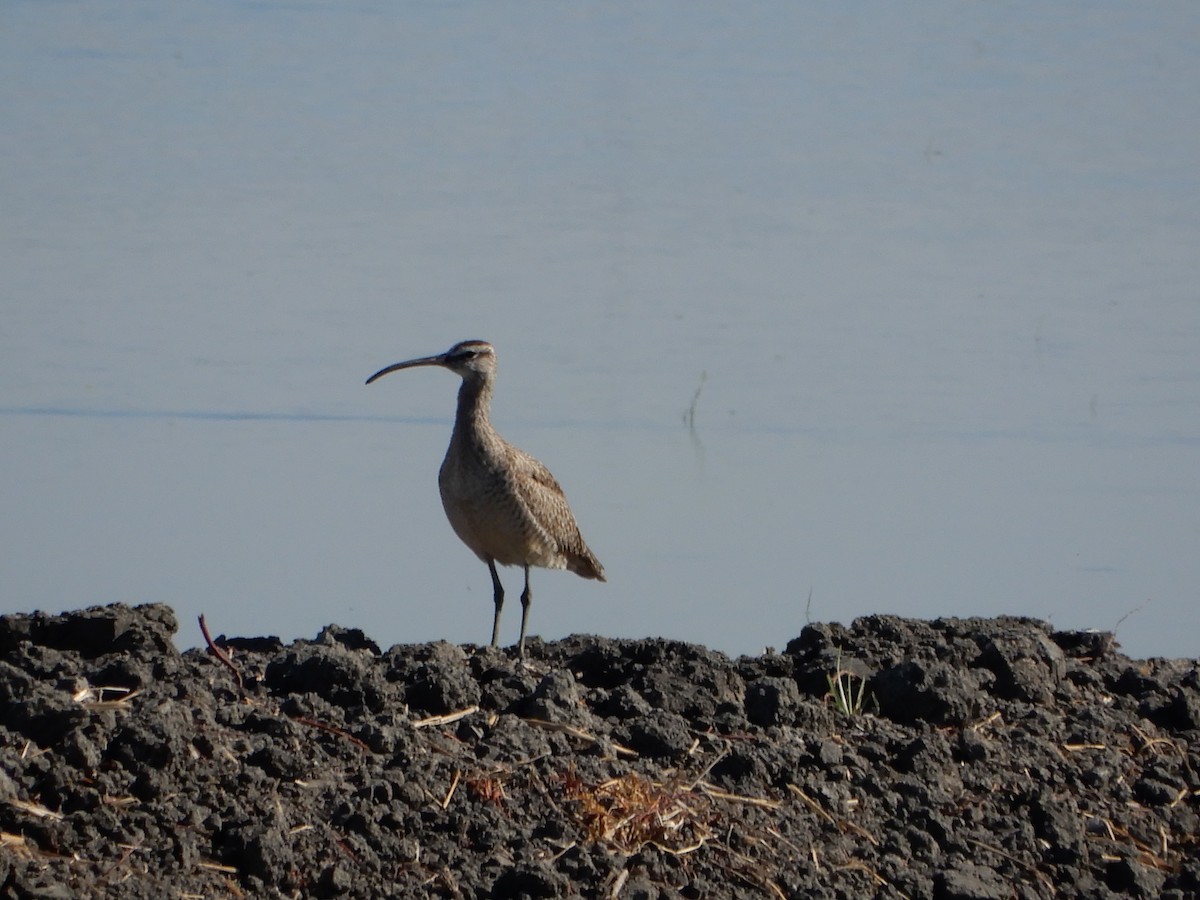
933	269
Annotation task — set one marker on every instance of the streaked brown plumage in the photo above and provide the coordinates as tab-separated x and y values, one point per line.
502	503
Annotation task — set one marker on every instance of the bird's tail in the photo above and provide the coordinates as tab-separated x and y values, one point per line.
586	565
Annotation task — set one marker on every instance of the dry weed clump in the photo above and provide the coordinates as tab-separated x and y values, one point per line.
631	811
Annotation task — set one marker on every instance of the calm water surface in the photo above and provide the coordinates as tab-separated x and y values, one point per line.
926	281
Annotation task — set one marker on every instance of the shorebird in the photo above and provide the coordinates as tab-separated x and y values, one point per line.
503	504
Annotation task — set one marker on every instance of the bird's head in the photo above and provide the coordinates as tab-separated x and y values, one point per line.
469	359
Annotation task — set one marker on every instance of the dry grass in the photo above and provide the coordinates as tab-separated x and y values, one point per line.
631	811
16	845
36	810
95	697
445	719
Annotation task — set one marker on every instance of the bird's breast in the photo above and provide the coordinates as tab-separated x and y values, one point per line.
487	513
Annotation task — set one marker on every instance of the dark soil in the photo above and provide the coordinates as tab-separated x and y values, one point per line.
990	758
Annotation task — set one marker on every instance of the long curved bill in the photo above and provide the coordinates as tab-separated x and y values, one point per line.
439	360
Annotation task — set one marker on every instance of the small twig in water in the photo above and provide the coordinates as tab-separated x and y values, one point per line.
689	414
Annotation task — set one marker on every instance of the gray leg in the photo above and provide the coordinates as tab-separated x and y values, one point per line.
526	599
498	597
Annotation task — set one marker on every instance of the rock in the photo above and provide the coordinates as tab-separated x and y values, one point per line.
967	881
770	701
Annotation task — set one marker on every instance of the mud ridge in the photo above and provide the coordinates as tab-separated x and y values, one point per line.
955	758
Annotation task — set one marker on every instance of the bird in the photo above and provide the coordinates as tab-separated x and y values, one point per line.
501	502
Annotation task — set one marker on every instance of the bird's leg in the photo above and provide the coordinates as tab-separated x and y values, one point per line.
526	599
498	597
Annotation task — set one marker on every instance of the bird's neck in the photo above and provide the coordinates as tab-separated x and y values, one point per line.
472	421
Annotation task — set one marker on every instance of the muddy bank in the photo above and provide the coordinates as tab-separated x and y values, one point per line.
983	758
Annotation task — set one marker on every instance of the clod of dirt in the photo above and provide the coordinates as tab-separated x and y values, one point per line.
956	758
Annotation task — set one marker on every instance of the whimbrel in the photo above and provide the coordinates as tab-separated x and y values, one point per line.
502	503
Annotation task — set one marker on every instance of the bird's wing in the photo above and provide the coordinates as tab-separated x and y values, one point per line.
543	496
547	506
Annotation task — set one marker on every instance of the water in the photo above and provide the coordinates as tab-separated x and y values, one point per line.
814	312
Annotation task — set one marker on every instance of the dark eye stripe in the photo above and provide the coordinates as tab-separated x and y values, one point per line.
469	350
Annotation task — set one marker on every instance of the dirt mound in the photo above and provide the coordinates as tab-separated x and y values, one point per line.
985	758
